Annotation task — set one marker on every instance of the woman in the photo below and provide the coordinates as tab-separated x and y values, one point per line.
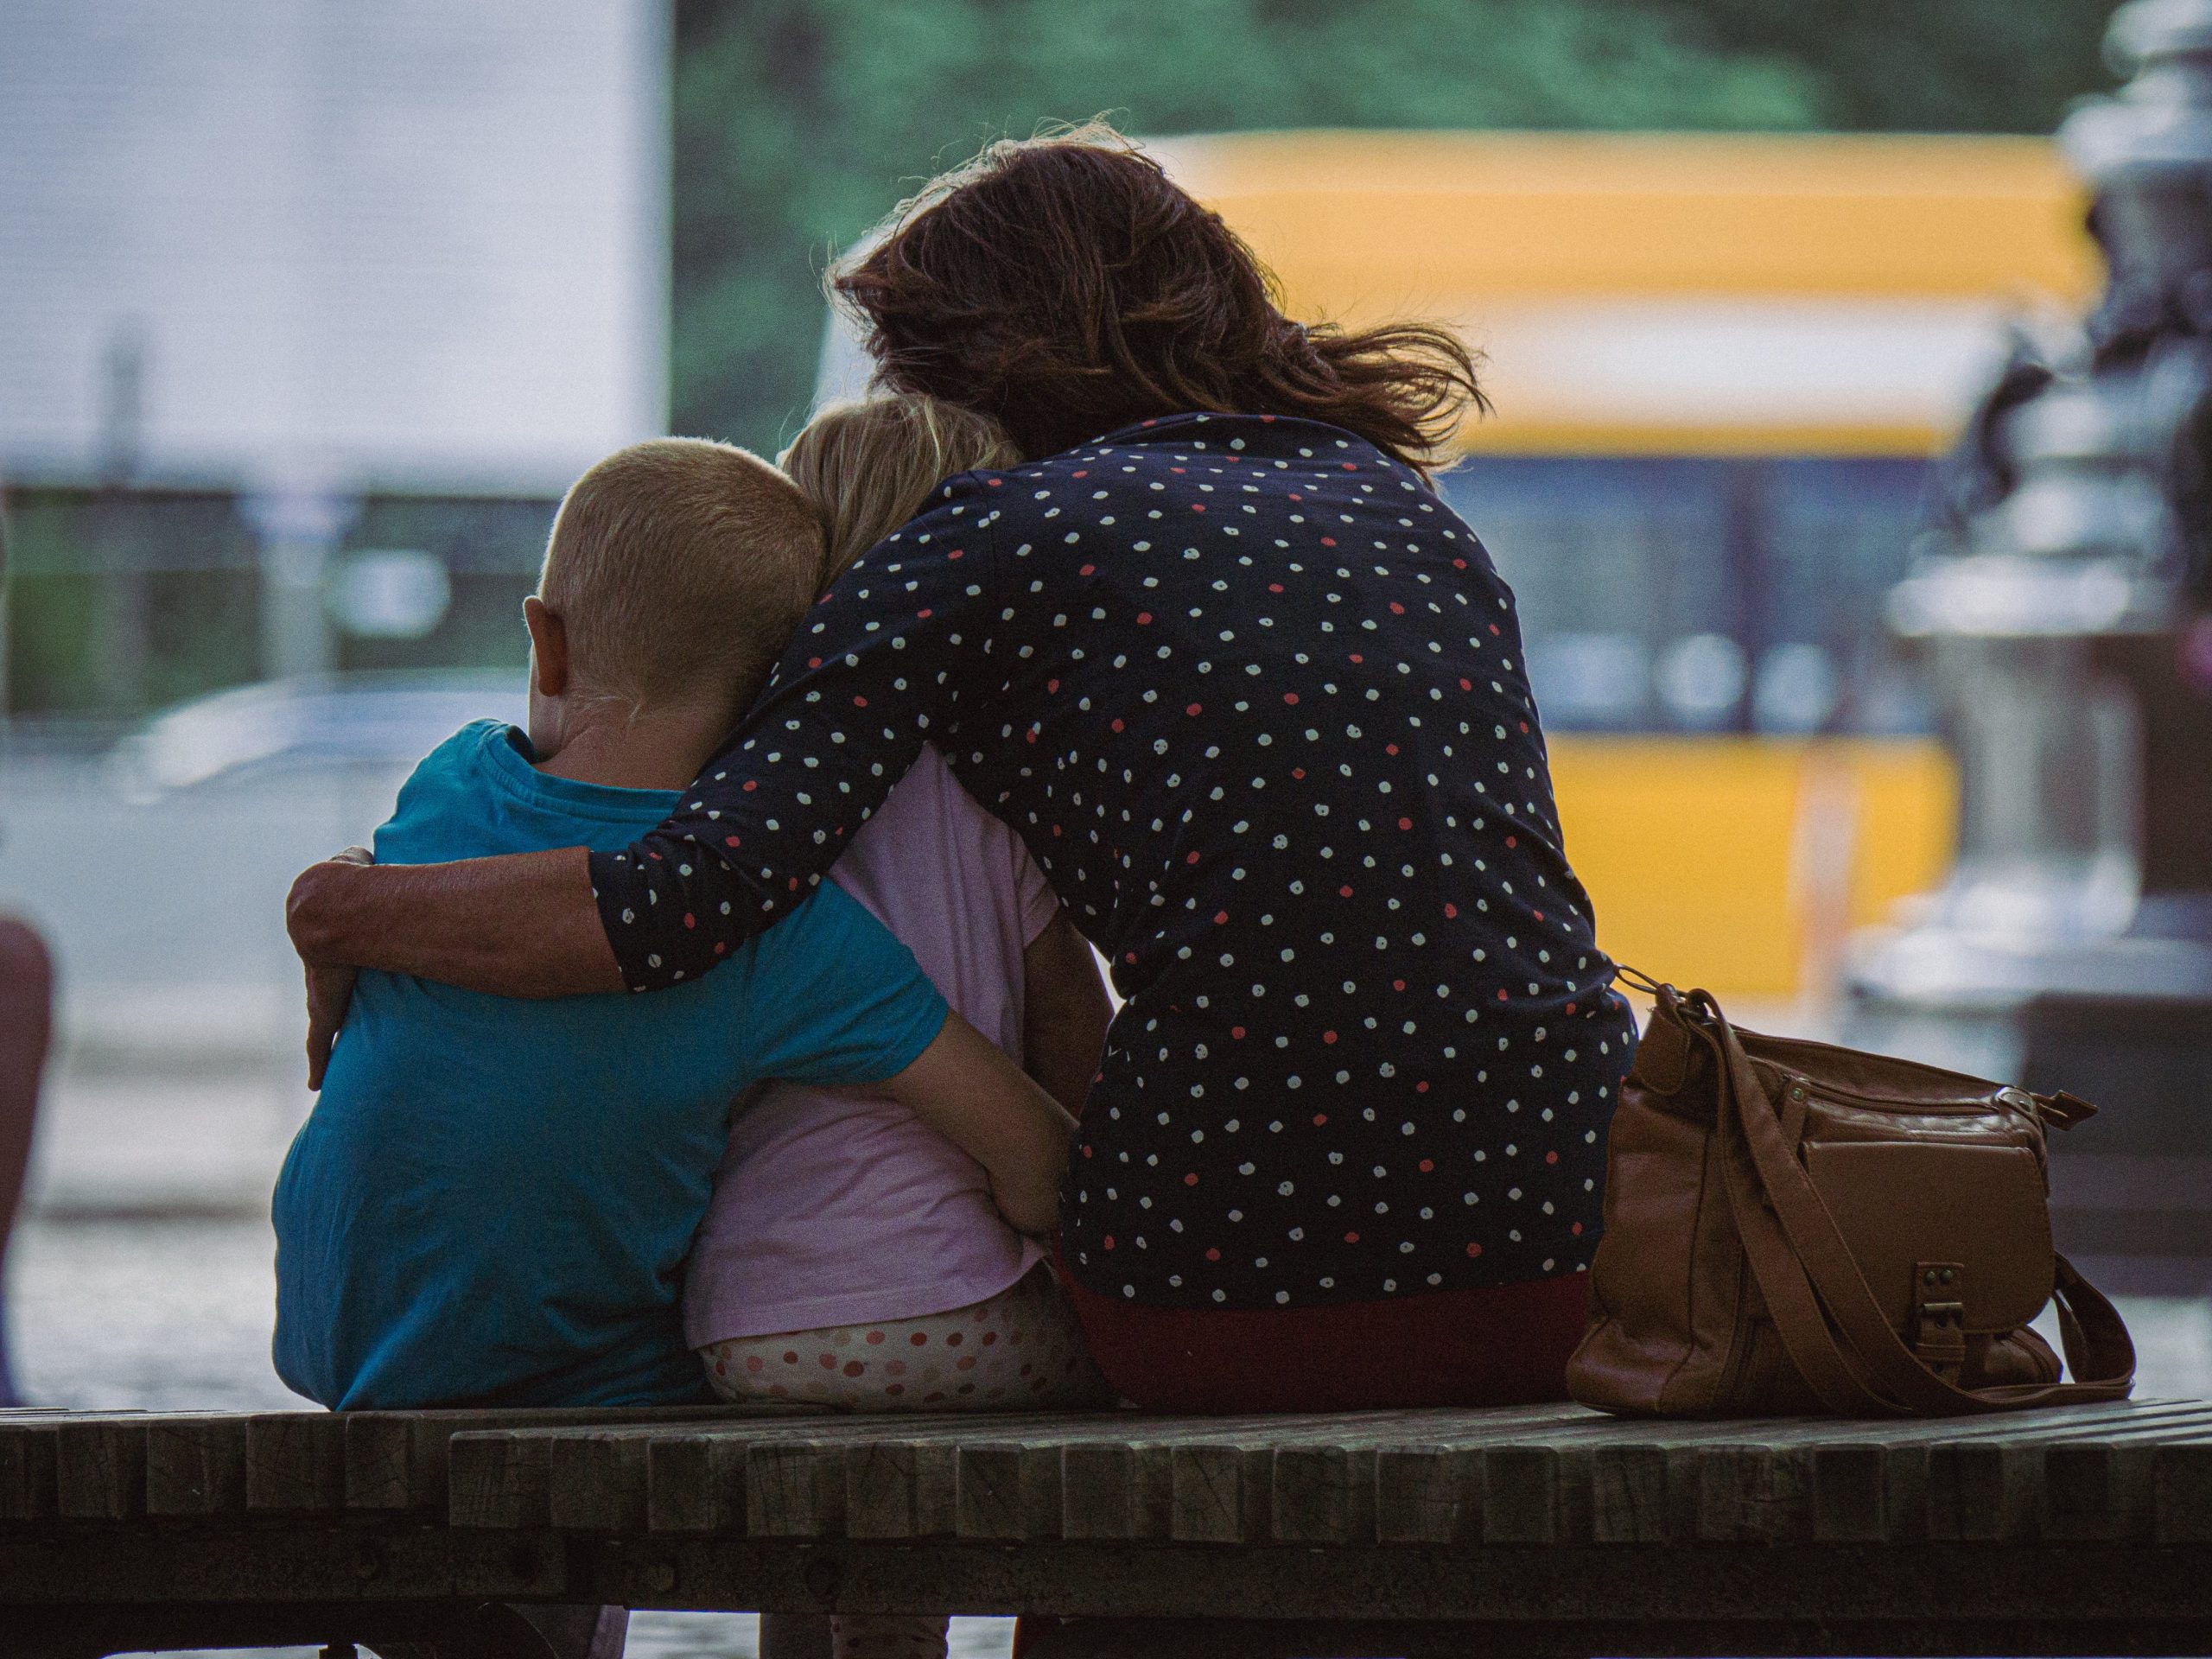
1253	697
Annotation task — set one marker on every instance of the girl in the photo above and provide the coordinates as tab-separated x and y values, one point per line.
852	1256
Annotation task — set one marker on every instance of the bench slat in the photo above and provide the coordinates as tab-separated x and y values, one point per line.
1852	1492
498	1480
795	1489
1323	1494
2181	1494
1427	1495
195	1466
1628	1495
1219	1494
100	1469
693	1484
902	1489
596	1483
295	1462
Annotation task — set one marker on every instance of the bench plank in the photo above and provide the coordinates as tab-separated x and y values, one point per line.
295	1462
1323	1494
596	1483
693	1484
195	1466
100	1469
1427	1494
2181	1494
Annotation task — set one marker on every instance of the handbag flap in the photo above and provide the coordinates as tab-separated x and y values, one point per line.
1902	1205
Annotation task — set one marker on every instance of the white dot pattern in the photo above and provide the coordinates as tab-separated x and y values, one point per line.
1253	697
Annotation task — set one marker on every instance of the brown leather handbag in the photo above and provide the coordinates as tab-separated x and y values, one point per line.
1792	1228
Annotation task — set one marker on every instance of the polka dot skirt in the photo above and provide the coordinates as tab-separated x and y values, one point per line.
1253	697
1020	1350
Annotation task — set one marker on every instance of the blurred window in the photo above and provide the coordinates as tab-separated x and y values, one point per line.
119	602
1700	594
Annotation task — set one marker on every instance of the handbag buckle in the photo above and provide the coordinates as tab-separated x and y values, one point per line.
1940	1316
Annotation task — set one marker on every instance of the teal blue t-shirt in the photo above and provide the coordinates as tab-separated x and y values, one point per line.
493	1200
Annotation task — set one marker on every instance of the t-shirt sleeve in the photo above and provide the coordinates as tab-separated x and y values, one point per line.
898	647
840	1000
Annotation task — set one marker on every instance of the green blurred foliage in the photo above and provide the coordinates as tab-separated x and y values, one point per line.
54	630
799	123
1927	66
200	627
119	602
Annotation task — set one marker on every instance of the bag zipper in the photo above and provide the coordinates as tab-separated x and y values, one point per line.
1816	1091
1884	1117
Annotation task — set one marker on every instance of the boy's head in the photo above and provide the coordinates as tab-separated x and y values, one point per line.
869	466
676	572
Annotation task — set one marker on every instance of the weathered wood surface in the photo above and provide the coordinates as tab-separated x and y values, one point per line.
2139	1471
2094	1521
2135	1472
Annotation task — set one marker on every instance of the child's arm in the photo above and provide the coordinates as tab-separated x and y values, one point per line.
967	1090
1065	1013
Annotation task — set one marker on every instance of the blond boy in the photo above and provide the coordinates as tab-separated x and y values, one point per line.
493	1200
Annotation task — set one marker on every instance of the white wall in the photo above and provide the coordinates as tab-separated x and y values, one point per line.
411	243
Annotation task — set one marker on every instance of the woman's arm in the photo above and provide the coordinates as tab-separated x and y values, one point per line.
972	1094
888	655
1065	1013
521	926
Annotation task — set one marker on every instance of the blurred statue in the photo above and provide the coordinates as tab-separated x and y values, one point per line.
26	1017
2063	597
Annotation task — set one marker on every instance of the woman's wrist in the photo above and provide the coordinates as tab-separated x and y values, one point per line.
320	909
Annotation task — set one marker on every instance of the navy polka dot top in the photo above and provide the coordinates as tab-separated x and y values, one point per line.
1253	697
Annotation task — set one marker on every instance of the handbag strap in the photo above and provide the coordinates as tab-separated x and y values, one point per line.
1825	1315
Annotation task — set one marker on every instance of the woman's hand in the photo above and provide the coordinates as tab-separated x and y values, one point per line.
330	986
526	925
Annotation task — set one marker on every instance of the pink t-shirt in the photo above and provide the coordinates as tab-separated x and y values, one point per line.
835	1209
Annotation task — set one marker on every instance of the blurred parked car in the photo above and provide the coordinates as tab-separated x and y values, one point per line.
348	721
158	868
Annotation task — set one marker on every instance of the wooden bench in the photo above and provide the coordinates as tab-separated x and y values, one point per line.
1539	1531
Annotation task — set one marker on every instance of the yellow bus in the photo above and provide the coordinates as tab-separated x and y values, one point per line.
1721	367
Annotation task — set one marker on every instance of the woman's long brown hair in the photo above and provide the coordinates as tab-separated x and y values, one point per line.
1065	286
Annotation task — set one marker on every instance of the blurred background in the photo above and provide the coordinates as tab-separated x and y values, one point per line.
308	312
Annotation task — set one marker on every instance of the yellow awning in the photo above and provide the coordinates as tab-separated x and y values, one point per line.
1672	292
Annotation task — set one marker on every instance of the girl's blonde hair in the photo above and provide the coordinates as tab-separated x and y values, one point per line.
869	466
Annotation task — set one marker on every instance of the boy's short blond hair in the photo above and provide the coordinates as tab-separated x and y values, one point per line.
680	569
869	467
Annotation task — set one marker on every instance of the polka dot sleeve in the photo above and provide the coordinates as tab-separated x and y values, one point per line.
887	657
